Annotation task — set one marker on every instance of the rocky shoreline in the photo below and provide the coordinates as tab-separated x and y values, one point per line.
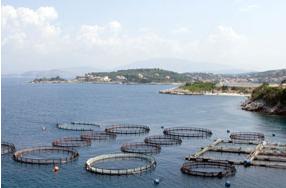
178	91
262	107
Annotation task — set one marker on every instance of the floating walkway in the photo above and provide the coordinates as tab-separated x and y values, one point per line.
262	154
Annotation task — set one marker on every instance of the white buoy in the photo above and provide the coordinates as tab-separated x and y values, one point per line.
44	128
56	168
156	181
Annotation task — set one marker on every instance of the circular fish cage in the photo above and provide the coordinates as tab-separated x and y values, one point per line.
85	123
91	163
97	135
163	140
247	137
187	132
128	129
209	168
7	147
71	142
77	126
26	155
141	147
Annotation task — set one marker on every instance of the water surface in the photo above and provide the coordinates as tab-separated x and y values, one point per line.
26	108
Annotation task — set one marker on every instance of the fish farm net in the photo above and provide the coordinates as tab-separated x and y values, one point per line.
85	123
128	129
97	135
7	148
163	140
46	155
209	168
187	132
247	137
141	147
71	142
77	126
93	164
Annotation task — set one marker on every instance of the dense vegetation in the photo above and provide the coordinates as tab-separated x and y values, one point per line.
199	86
53	79
270	95
144	76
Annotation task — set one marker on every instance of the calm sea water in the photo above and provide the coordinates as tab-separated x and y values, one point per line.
26	108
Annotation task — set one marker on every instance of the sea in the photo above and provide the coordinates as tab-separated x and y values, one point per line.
28	108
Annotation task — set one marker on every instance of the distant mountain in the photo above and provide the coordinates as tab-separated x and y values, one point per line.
64	73
182	65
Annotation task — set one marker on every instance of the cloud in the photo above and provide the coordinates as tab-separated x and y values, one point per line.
181	30
249	8
34	39
27	28
115	25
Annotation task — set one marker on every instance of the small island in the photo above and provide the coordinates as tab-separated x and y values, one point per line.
56	79
209	88
269	99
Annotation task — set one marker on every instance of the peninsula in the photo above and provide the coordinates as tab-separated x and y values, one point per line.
267	99
209	88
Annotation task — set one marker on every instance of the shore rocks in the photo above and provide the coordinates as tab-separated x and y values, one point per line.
261	106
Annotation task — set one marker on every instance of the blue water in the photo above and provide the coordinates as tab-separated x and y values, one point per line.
26	108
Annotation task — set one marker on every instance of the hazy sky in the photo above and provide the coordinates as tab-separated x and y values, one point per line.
50	34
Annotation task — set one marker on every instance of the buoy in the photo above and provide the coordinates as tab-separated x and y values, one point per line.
246	163
273	134
162	127
227	184
156	181
56	168
44	128
228	131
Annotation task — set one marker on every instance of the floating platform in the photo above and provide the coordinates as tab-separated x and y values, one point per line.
262	154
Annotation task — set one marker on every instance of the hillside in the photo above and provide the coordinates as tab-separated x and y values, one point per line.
155	75
267	99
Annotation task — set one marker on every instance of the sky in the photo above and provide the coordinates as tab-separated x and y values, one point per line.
57	34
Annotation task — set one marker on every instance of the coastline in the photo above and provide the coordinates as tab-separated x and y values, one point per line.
177	91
